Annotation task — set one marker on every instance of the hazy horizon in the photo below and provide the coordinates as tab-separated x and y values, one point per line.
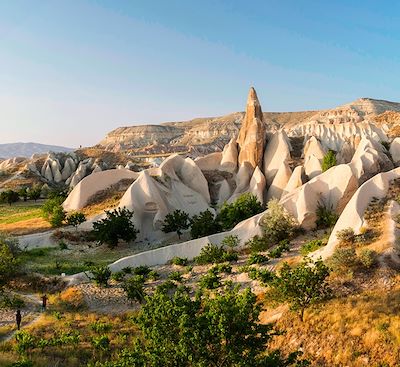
73	71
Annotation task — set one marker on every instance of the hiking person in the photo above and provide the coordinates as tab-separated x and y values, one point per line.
44	302
18	319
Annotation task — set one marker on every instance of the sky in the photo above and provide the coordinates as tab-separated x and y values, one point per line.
73	70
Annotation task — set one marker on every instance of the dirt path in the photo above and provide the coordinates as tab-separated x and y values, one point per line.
30	314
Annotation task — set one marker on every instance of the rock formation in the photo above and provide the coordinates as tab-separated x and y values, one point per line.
252	133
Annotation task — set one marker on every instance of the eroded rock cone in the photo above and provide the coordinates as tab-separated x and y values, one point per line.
252	133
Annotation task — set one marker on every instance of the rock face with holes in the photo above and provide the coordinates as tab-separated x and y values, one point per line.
252	134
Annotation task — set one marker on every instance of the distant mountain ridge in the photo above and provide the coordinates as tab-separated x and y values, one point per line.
11	150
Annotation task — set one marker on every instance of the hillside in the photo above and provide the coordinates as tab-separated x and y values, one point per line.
210	134
26	150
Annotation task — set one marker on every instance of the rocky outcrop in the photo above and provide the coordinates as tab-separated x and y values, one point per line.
280	181
395	150
252	133
312	167
229	160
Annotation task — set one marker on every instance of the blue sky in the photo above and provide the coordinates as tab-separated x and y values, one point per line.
70	71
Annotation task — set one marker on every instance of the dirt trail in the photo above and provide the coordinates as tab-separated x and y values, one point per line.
30	312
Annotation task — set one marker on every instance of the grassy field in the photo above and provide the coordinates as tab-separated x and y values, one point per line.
22	218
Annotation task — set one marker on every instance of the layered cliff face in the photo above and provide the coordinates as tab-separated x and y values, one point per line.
206	135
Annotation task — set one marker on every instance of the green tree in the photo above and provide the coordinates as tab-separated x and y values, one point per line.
328	161
177	221
218	331
8	263
244	207
34	192
116	226
23	193
75	219
53	211
204	224
9	197
300	286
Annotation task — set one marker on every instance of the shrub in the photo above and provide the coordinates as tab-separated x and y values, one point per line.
326	217
222	268
311	246
153	275
100	274
256	258
210	254
258	243
180	261
127	270
134	288
100	327
167	286
204	224
62	245
343	258
368	258
143	270
177	221
231	242
176	276
230	256
277	252
211	280
116	226
246	206
277	223
75	219
346	236
101	343
25	342
11	302
118	276
301	285
328	161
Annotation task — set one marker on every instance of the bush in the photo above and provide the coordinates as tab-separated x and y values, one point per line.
204	224
71	299
177	221
143	270
277	252
277	223
211	280
180	261
153	275
343	258
134	288
100	274
222	268
34	192
346	236
11	302
311	246
231	242
258	243
100	327
116	226
368	258
75	219
210	254
176	276
246	206
328	161
326	217
256	258
118	276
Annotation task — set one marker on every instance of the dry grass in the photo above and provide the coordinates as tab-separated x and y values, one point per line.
108	203
359	330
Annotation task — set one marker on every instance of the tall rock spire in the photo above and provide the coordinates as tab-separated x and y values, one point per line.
252	133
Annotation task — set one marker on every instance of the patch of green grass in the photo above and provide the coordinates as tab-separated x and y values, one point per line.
19	212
